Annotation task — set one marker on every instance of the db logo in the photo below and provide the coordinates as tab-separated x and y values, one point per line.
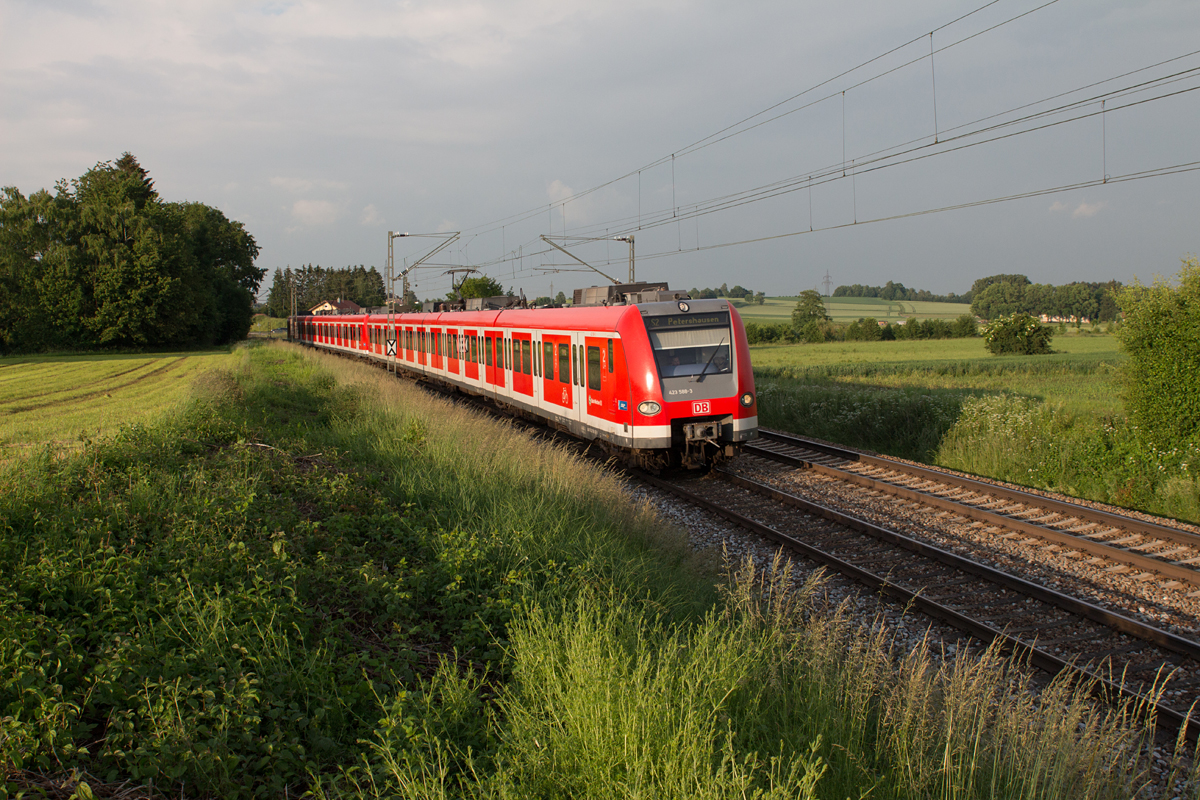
700	408
566	399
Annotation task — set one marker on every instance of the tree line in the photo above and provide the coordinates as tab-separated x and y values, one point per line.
314	285
737	292
812	324
1005	295
898	291
105	262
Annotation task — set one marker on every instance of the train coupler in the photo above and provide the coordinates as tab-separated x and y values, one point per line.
697	436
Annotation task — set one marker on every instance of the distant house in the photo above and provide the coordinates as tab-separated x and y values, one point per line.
336	307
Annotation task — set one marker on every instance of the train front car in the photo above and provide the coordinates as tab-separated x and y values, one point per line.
695	396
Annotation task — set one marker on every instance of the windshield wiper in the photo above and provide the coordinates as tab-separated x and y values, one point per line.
700	378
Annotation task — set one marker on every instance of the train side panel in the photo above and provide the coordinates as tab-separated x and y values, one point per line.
593	371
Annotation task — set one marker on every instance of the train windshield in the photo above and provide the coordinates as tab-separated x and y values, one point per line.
690	344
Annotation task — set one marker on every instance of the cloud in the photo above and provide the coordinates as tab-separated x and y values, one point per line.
1081	211
370	215
314	212
304	185
558	191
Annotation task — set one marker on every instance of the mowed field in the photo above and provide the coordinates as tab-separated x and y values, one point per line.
60	399
849	309
1082	375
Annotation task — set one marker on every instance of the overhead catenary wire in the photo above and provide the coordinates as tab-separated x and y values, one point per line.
1157	172
960	137
734	128
884	159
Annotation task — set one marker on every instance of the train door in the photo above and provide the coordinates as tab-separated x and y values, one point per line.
492	371
452	354
522	360
604	372
435	349
556	371
471	351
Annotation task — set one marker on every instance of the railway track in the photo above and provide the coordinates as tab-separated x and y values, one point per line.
1054	630
1151	552
1124	656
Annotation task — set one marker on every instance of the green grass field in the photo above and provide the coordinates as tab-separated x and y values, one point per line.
60	399
1054	422
263	324
311	579
849	309
1083	374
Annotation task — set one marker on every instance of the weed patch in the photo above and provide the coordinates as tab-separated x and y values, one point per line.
316	579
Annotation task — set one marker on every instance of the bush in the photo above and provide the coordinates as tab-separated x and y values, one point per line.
1017	334
964	327
865	330
768	333
1161	333
908	423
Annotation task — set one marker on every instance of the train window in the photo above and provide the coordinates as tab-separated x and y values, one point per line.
610	356
703	351
473	353
574	365
593	367
564	364
548	352
526	356
537	362
487	350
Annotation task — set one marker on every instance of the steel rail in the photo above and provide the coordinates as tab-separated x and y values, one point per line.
1005	492
1146	563
1073	605
1102	687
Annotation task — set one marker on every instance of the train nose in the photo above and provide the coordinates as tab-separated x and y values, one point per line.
702	431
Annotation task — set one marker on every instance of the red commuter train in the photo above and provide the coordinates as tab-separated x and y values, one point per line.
665	382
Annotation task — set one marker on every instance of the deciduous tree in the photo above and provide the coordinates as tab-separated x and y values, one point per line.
1161	333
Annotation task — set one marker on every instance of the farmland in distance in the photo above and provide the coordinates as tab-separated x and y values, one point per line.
850	309
60	399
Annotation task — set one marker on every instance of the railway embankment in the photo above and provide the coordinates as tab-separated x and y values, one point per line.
313	577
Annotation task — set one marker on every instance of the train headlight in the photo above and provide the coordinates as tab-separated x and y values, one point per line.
649	408
747	399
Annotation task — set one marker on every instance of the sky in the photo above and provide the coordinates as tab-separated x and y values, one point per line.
765	144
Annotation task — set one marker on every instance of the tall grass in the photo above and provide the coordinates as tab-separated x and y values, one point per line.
763	697
315	578
909	423
1047	446
222	599
1053	423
